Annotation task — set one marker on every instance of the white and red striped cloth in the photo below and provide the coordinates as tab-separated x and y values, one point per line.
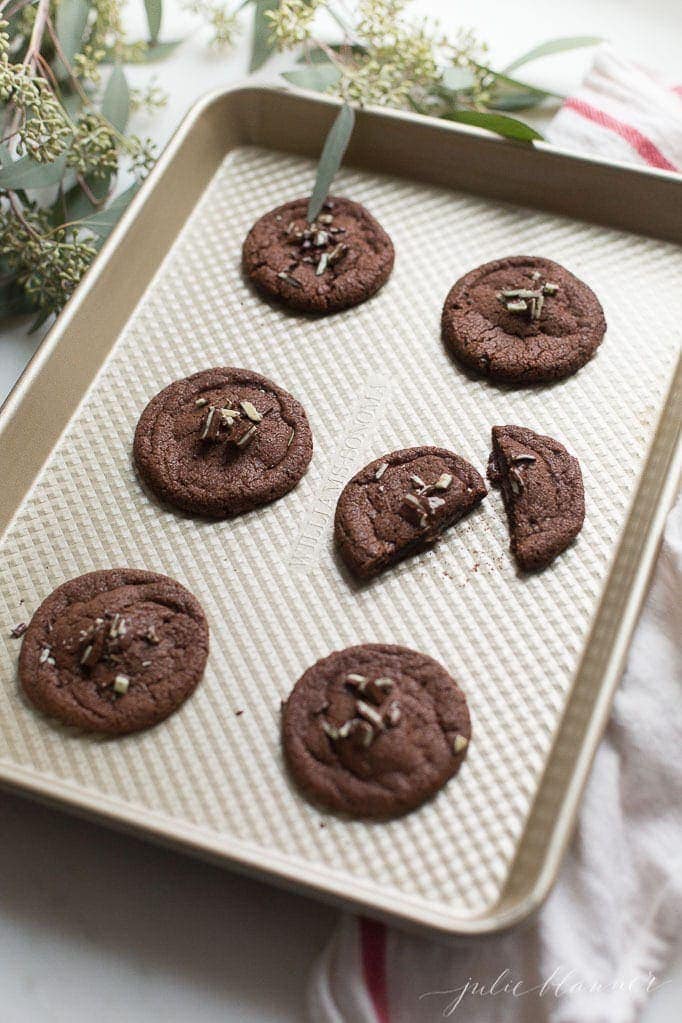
599	944
625	112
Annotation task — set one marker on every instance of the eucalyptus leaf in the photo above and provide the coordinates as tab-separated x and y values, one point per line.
77	206
319	77
508	127
159	51
116	99
77	202
511	101
154	9
316	55
13	300
40	319
153	53
103	223
73	104
263	44
28	173
503	82
333	152
70	24
553	46
510	94
457	79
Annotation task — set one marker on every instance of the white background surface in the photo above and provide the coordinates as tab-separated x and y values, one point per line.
93	923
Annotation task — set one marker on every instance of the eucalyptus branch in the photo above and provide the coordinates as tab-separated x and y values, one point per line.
47	72
63	130
65	104
73	77
13	200
19	5
36	40
323	47
97	203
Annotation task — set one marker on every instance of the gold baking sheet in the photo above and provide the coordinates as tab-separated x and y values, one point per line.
537	656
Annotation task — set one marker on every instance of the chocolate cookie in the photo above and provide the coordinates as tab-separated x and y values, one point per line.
522	320
542	489
338	261
222	442
114	651
375	730
401	503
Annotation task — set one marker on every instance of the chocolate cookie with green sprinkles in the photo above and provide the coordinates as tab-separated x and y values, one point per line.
222	442
375	730
338	261
542	490
522	320
400	504
114	651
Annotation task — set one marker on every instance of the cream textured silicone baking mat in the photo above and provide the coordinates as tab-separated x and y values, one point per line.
372	379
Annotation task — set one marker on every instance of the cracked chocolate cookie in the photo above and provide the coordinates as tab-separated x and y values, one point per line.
401	503
522	320
542	489
114	651
338	261
222	442
375	730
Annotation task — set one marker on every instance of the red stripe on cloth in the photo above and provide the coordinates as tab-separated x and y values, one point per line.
373	956
677	89
640	143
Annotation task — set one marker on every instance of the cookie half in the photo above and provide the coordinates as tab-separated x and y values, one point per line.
522	320
375	730
222	442
114	651
542	489
401	503
338	261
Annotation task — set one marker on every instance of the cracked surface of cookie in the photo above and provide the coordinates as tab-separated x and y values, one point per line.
222	442
522	320
542	489
339	261
375	730
401	503
114	651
